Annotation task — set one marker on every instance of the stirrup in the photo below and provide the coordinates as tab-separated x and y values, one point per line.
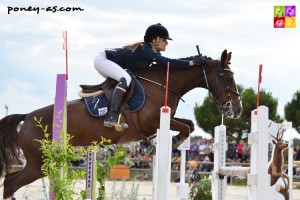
112	122
121	126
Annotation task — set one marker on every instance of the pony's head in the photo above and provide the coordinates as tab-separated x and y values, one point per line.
223	86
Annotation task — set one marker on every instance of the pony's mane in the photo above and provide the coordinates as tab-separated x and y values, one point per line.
195	57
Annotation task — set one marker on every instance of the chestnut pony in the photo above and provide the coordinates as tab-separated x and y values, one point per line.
216	76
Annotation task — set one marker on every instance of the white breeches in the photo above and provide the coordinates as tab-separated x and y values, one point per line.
110	69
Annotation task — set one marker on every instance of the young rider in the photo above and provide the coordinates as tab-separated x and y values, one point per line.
112	63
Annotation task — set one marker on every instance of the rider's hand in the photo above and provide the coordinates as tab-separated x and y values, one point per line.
200	61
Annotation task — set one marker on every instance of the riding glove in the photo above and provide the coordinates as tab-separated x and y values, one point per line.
200	61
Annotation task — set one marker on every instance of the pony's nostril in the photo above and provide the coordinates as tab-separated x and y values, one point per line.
239	110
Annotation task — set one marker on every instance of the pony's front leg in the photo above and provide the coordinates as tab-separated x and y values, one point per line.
183	126
189	122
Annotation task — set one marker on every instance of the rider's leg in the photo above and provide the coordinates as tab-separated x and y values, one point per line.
110	69
111	118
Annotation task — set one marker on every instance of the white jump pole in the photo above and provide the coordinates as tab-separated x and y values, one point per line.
259	180
162	165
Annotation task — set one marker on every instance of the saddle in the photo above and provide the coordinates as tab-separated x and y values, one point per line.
97	97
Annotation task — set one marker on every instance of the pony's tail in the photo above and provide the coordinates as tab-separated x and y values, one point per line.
9	142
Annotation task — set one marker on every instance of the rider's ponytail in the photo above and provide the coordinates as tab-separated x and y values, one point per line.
134	46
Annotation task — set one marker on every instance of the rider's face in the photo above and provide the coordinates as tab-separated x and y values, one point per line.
160	44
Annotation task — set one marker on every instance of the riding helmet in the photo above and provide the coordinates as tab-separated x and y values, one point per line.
154	31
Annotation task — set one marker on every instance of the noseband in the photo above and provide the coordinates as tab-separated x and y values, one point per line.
225	108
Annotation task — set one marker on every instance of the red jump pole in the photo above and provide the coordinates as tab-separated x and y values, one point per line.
165	109
258	86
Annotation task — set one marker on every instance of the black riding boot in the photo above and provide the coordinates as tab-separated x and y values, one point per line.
111	118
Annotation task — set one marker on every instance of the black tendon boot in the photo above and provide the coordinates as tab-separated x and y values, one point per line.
111	118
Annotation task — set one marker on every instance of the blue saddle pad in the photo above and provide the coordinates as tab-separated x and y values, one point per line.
138	97
98	105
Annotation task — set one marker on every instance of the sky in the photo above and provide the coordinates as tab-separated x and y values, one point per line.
31	50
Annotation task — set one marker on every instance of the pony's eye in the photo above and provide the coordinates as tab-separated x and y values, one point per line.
229	79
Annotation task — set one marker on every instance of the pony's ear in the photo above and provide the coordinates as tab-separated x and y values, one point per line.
224	57
229	57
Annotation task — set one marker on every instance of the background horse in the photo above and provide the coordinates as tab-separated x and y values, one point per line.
143	123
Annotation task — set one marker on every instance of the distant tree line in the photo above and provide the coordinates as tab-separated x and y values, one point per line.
208	116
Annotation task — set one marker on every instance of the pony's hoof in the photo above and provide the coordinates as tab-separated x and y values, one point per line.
175	145
151	150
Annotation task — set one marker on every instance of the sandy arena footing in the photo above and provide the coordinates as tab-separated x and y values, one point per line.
35	190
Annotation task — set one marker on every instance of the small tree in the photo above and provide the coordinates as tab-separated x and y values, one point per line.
208	115
292	111
55	156
201	190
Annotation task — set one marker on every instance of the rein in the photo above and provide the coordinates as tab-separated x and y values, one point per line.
228	104
159	84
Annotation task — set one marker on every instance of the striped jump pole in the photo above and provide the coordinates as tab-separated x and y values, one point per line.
91	175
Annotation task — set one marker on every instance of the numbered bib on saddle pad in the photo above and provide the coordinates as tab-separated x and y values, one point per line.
97	105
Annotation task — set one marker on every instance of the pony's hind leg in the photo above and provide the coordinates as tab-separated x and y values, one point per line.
16	180
11	174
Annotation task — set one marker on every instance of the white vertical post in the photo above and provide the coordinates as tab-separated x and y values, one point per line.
91	175
252	140
220	148
162	169
182	187
263	178
290	159
182	165
259	179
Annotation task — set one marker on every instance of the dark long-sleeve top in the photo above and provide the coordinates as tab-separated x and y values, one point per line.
142	57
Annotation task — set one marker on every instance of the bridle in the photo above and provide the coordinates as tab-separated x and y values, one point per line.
225	108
